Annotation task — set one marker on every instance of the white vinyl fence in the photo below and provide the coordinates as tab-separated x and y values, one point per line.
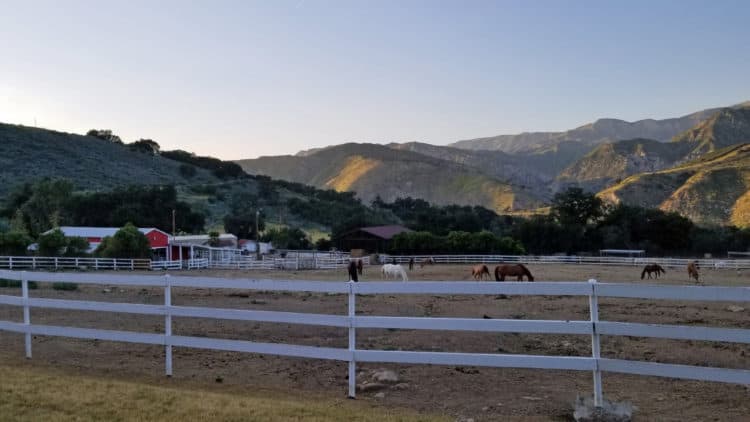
72	263
592	327
569	259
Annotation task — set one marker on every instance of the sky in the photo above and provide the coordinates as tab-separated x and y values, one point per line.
244	79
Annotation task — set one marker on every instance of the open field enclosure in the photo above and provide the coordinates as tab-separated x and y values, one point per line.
455	391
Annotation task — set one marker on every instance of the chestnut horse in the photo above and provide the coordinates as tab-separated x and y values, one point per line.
693	268
478	272
652	268
518	270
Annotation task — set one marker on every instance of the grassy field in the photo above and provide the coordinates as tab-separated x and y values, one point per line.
39	394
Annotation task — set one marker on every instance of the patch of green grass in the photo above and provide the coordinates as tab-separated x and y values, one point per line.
36	394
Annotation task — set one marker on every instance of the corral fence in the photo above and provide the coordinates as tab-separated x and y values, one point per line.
592	327
72	263
569	259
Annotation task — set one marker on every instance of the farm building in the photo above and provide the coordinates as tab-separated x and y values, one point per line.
249	246
371	239
183	247
158	239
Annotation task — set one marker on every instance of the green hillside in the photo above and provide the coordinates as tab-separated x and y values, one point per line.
28	154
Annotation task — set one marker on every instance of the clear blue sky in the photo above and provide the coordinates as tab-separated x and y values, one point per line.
242	79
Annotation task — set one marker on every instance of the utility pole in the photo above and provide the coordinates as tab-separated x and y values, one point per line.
174	226
257	236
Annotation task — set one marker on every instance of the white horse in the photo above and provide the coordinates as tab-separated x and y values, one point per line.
394	270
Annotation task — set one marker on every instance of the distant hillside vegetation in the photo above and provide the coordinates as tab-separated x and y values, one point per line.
713	189
379	171
28	154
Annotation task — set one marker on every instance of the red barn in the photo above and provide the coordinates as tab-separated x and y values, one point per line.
158	239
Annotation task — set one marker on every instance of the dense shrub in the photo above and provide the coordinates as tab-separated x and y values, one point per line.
65	286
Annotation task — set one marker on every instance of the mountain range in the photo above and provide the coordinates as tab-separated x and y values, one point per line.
623	161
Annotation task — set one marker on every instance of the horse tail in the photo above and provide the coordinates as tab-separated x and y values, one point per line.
404	277
643	273
497	273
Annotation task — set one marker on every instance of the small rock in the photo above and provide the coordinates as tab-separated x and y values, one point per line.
384	375
532	398
380	395
485	408
735	308
106	290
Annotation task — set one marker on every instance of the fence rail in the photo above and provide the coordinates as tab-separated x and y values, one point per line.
592	326
572	259
71	263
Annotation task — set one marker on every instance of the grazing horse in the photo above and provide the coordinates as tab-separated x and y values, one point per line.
478	272
693	268
394	270
352	269
426	261
518	270
652	268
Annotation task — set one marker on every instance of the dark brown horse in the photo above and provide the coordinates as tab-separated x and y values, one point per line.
352	269
360	266
513	270
652	268
479	271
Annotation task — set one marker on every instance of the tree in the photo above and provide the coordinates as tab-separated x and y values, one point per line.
47	204
104	134
145	145
287	238
77	246
128	242
213	238
14	243
576	207
52	243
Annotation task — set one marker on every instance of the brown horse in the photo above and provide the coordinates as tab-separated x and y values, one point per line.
478	272
652	268
352	269
693	268
360	266
428	261
518	270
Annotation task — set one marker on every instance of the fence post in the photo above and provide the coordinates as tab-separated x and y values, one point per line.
352	343
55	262
168	324
33	262
26	313
10	262
595	346
132	264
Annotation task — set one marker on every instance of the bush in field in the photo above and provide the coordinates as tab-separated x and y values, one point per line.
65	286
4	282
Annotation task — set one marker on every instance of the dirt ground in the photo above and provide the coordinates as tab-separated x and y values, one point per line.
461	392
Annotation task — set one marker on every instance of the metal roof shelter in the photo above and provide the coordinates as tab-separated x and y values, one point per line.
372	239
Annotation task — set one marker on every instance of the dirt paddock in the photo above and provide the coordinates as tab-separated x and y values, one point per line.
461	392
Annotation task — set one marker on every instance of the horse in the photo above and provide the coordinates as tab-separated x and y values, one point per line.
692	269
394	270
478	272
411	263
360	266
352	269
426	261
652	268
518	270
